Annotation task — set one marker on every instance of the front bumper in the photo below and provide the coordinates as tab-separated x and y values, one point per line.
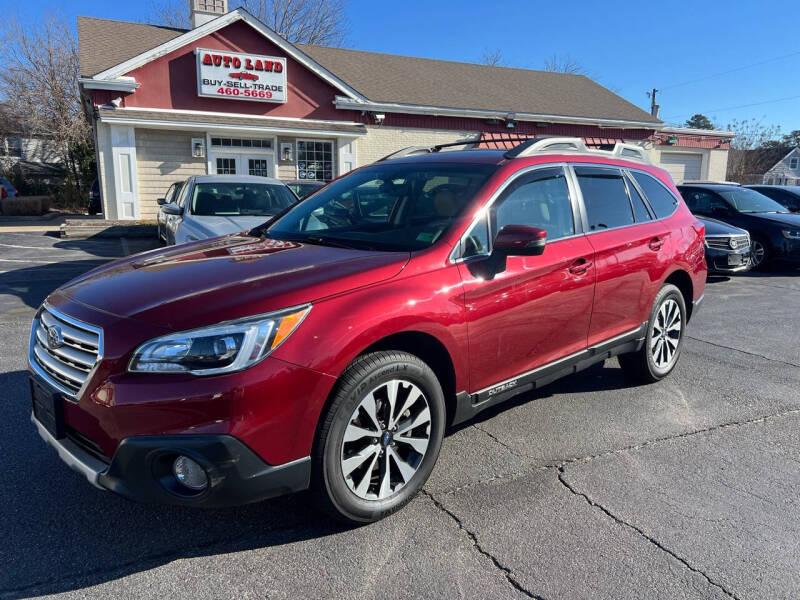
718	261
141	469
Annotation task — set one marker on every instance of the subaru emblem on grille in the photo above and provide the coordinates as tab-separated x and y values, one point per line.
54	338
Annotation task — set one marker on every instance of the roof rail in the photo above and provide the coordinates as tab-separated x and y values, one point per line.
543	144
411	150
408	151
577	145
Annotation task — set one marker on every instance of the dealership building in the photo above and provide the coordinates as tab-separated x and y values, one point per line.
231	96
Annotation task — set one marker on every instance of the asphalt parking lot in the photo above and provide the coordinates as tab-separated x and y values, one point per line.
589	488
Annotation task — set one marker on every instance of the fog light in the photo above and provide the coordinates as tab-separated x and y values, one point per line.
189	473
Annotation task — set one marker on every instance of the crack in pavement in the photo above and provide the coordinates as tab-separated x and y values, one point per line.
777	360
477	545
565	461
498	440
641	532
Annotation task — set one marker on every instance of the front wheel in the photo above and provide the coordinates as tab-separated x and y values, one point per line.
662	346
759	253
380	437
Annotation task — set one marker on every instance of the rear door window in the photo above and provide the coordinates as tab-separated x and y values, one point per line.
700	202
605	198
661	199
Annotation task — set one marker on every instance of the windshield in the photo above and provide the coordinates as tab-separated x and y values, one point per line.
747	201
232	199
385	206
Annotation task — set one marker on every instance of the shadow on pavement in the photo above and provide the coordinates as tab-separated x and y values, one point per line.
33	284
61	534
600	377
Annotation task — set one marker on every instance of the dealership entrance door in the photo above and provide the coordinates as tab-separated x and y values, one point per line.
240	164
242	156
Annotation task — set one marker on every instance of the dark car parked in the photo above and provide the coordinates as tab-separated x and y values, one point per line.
95	206
787	195
774	232
304	187
727	247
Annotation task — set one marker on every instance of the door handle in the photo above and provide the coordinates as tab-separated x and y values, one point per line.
580	266
656	243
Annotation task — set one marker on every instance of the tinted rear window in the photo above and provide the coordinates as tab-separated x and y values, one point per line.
660	198
605	197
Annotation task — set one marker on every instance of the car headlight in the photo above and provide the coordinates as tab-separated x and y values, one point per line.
791	234
222	348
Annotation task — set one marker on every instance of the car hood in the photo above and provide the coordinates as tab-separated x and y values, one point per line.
227	278
790	219
714	227
208	227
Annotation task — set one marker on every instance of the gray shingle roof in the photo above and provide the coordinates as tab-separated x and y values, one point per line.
397	79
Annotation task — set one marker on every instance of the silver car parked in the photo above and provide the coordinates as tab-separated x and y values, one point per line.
208	206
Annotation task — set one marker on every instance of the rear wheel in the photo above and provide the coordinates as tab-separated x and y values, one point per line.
662	346
380	437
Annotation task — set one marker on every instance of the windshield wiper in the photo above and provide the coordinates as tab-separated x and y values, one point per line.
320	241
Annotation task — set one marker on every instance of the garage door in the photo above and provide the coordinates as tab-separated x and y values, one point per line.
682	166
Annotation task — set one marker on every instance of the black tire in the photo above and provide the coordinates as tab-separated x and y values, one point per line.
641	365
759	244
367	373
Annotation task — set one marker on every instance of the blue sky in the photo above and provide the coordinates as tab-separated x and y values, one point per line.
629	47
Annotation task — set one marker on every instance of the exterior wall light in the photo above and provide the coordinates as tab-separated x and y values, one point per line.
198	148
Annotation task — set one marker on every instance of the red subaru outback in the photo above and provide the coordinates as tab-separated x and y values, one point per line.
331	347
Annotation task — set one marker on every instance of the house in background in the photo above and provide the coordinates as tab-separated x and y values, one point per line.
29	162
230	96
786	171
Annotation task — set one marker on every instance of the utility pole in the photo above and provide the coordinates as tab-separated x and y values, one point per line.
654	108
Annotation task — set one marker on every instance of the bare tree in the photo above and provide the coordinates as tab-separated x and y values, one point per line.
170	13
750	152
493	58
320	22
39	87
563	64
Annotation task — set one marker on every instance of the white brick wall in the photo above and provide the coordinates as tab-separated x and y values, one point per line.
163	157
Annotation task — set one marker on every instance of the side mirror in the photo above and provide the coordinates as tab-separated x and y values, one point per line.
172	209
161	201
520	240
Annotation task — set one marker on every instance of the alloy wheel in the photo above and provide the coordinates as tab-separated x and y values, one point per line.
386	439
666	333
757	253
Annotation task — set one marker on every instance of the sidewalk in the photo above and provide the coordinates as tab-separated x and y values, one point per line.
50	222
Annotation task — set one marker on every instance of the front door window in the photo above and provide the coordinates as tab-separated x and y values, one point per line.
226	166
258	166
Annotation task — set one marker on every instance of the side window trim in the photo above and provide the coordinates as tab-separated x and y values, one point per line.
578	217
630	181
